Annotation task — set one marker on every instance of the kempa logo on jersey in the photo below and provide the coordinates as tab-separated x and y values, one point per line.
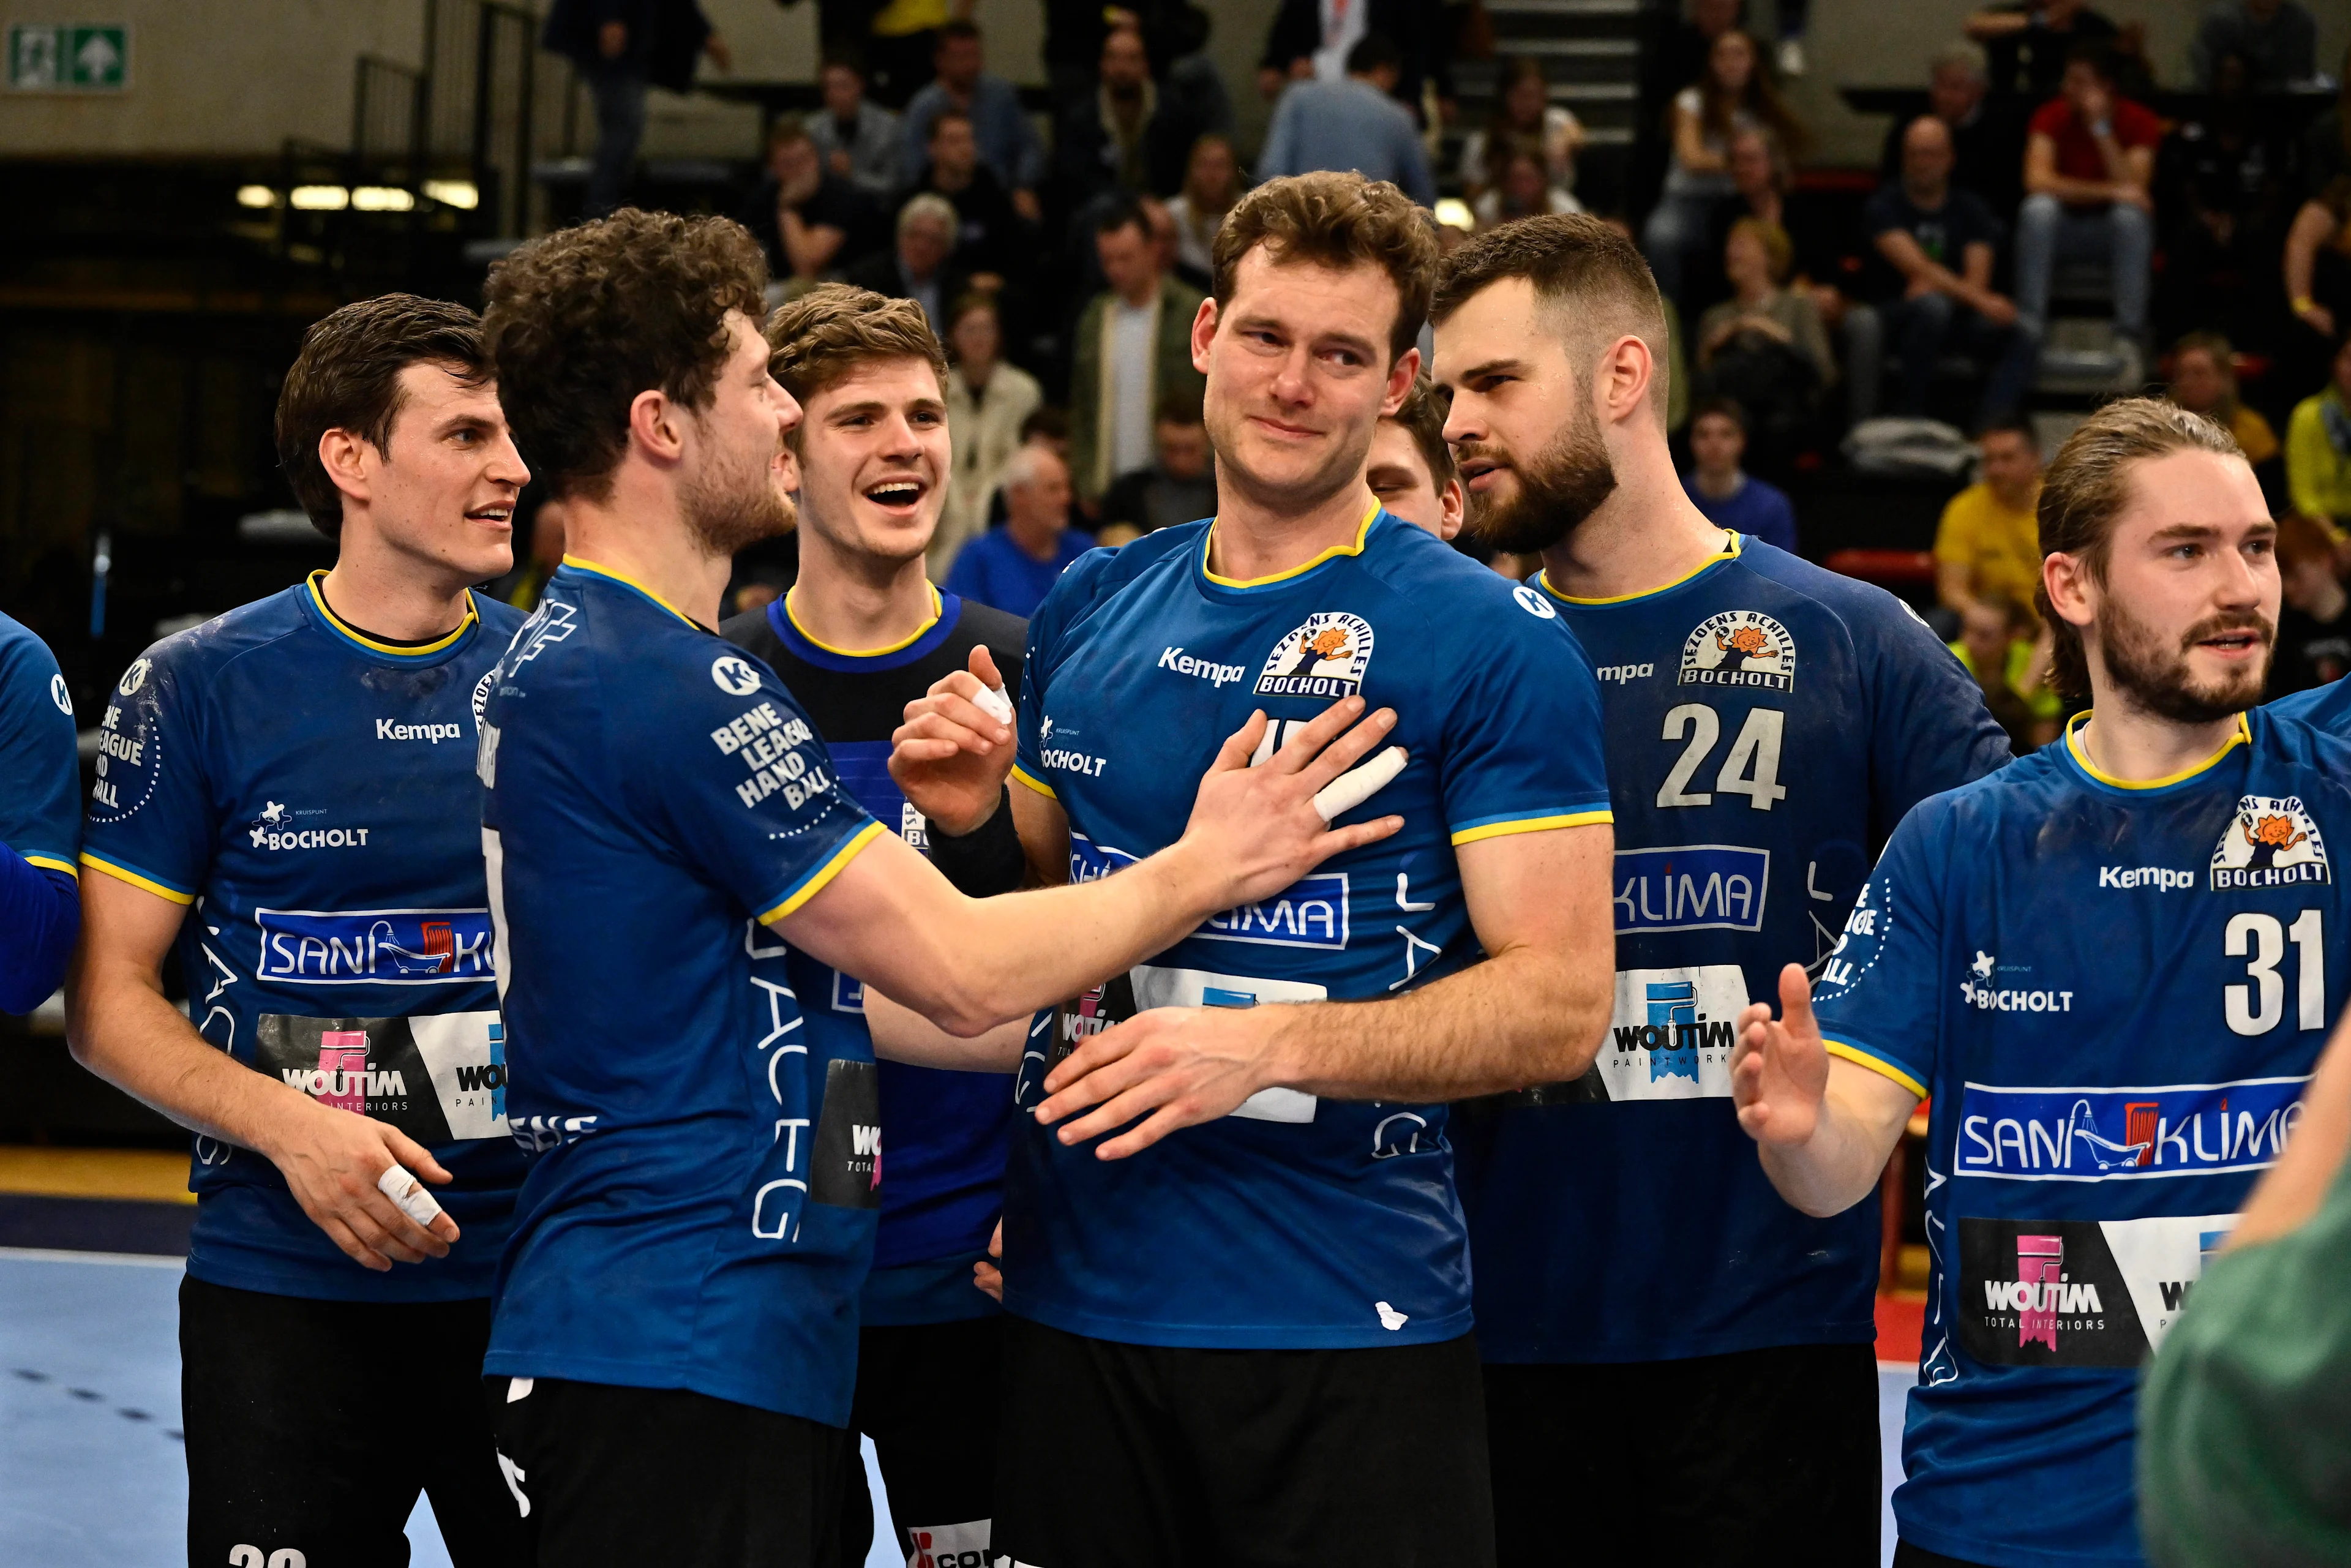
1206	670
2162	878
1740	648
1325	657
273	829
376	947
2271	843
385	729
2110	1134
1622	673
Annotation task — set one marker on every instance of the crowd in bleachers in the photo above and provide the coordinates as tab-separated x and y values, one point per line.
2053	225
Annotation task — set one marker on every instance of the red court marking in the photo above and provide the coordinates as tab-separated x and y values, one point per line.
1900	1321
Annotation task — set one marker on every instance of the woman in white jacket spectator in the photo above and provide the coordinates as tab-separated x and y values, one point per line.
986	402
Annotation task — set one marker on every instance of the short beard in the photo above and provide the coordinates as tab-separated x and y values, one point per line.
727	509
2156	679
1559	488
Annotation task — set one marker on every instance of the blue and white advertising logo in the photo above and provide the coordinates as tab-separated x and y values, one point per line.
375	946
1691	887
2117	1134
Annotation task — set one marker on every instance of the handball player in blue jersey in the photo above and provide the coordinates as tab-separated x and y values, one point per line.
862	634
285	796
1768	724
1234	1263
2110	965
682	882
40	822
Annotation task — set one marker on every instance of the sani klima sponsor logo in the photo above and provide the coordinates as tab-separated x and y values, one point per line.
2110	1134
1323	658
1207	670
1691	887
382	947
274	829
1740	648
2270	843
769	744
1309	913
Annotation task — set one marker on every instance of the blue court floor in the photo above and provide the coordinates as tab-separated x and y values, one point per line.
91	1468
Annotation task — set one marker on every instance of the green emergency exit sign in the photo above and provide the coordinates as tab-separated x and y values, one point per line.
68	57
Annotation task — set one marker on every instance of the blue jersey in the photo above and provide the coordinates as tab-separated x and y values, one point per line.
1290	1223
308	791
706	1158
2115	995
947	1130
1768	724
2327	707
40	821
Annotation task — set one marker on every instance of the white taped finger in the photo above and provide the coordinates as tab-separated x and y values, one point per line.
994	703
405	1190
1352	789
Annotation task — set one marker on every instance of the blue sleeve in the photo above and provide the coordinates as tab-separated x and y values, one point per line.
40	916
730	771
1929	731
151	816
1027	762
40	780
1877	998
1522	734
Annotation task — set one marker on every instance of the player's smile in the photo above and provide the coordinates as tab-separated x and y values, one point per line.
900	495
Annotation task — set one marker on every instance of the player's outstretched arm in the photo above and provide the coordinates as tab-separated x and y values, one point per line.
1824	1126
122	1028
901	1034
891	920
1533	1012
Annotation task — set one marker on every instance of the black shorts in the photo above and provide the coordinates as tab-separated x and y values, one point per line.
631	1477
1720	1459
1128	1456
312	1426
927	1395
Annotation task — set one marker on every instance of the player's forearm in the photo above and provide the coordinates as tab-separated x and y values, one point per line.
1840	1163
901	1034
1525	1016
121	1027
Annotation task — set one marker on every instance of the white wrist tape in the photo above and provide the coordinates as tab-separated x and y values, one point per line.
1352	789
994	703
410	1194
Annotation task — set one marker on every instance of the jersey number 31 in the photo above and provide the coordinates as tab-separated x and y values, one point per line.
2260	940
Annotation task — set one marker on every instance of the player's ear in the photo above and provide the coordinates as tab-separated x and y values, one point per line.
654	426
2067	579
1400	377
1204	330
1451	504
1621	379
349	460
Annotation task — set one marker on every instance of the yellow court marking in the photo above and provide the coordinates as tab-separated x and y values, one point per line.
154	1175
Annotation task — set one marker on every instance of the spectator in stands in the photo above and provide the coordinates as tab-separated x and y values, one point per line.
1760	179
2277	39
1132	348
1729	496
1126	136
2204	381
1212	184
1521	191
2317	261
2223	206
1314	40
810	220
1731	96
1997	644
1930	288
1410	467
1350	124
1011	568
857	138
1180	486
1989	540
1765	347
621	48
1692	43
2028	42
991	240
1524	120
2326	145
2089	165
1007	142
2318	450
989	402
2314	629
1986	144
918	269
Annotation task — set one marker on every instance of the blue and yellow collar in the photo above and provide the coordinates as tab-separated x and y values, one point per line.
418	652
2080	757
593	568
1729	552
1363	535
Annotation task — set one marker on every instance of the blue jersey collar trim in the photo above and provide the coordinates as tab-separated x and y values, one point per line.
1732	548
809	651
1223	586
2091	774
314	605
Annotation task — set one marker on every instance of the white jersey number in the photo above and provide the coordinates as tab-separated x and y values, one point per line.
2258	939
1752	767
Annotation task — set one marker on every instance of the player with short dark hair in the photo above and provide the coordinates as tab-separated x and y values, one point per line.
1410	468
40	822
678	878
1240	1322
862	634
2111	967
286	798
1767	725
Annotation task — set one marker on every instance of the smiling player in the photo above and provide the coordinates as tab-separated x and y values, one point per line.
2112	965
286	795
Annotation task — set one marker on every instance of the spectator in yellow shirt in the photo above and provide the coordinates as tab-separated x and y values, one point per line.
2204	381
2318	450
1989	539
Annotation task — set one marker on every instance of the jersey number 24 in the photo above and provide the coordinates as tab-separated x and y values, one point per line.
1751	768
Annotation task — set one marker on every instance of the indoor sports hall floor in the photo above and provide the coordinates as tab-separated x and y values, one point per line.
91	1470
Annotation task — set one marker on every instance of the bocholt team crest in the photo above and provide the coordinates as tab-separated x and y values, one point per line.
2270	843
1325	658
1740	648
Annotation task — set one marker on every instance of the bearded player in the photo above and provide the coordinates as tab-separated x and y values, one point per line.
1768	723
2111	966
